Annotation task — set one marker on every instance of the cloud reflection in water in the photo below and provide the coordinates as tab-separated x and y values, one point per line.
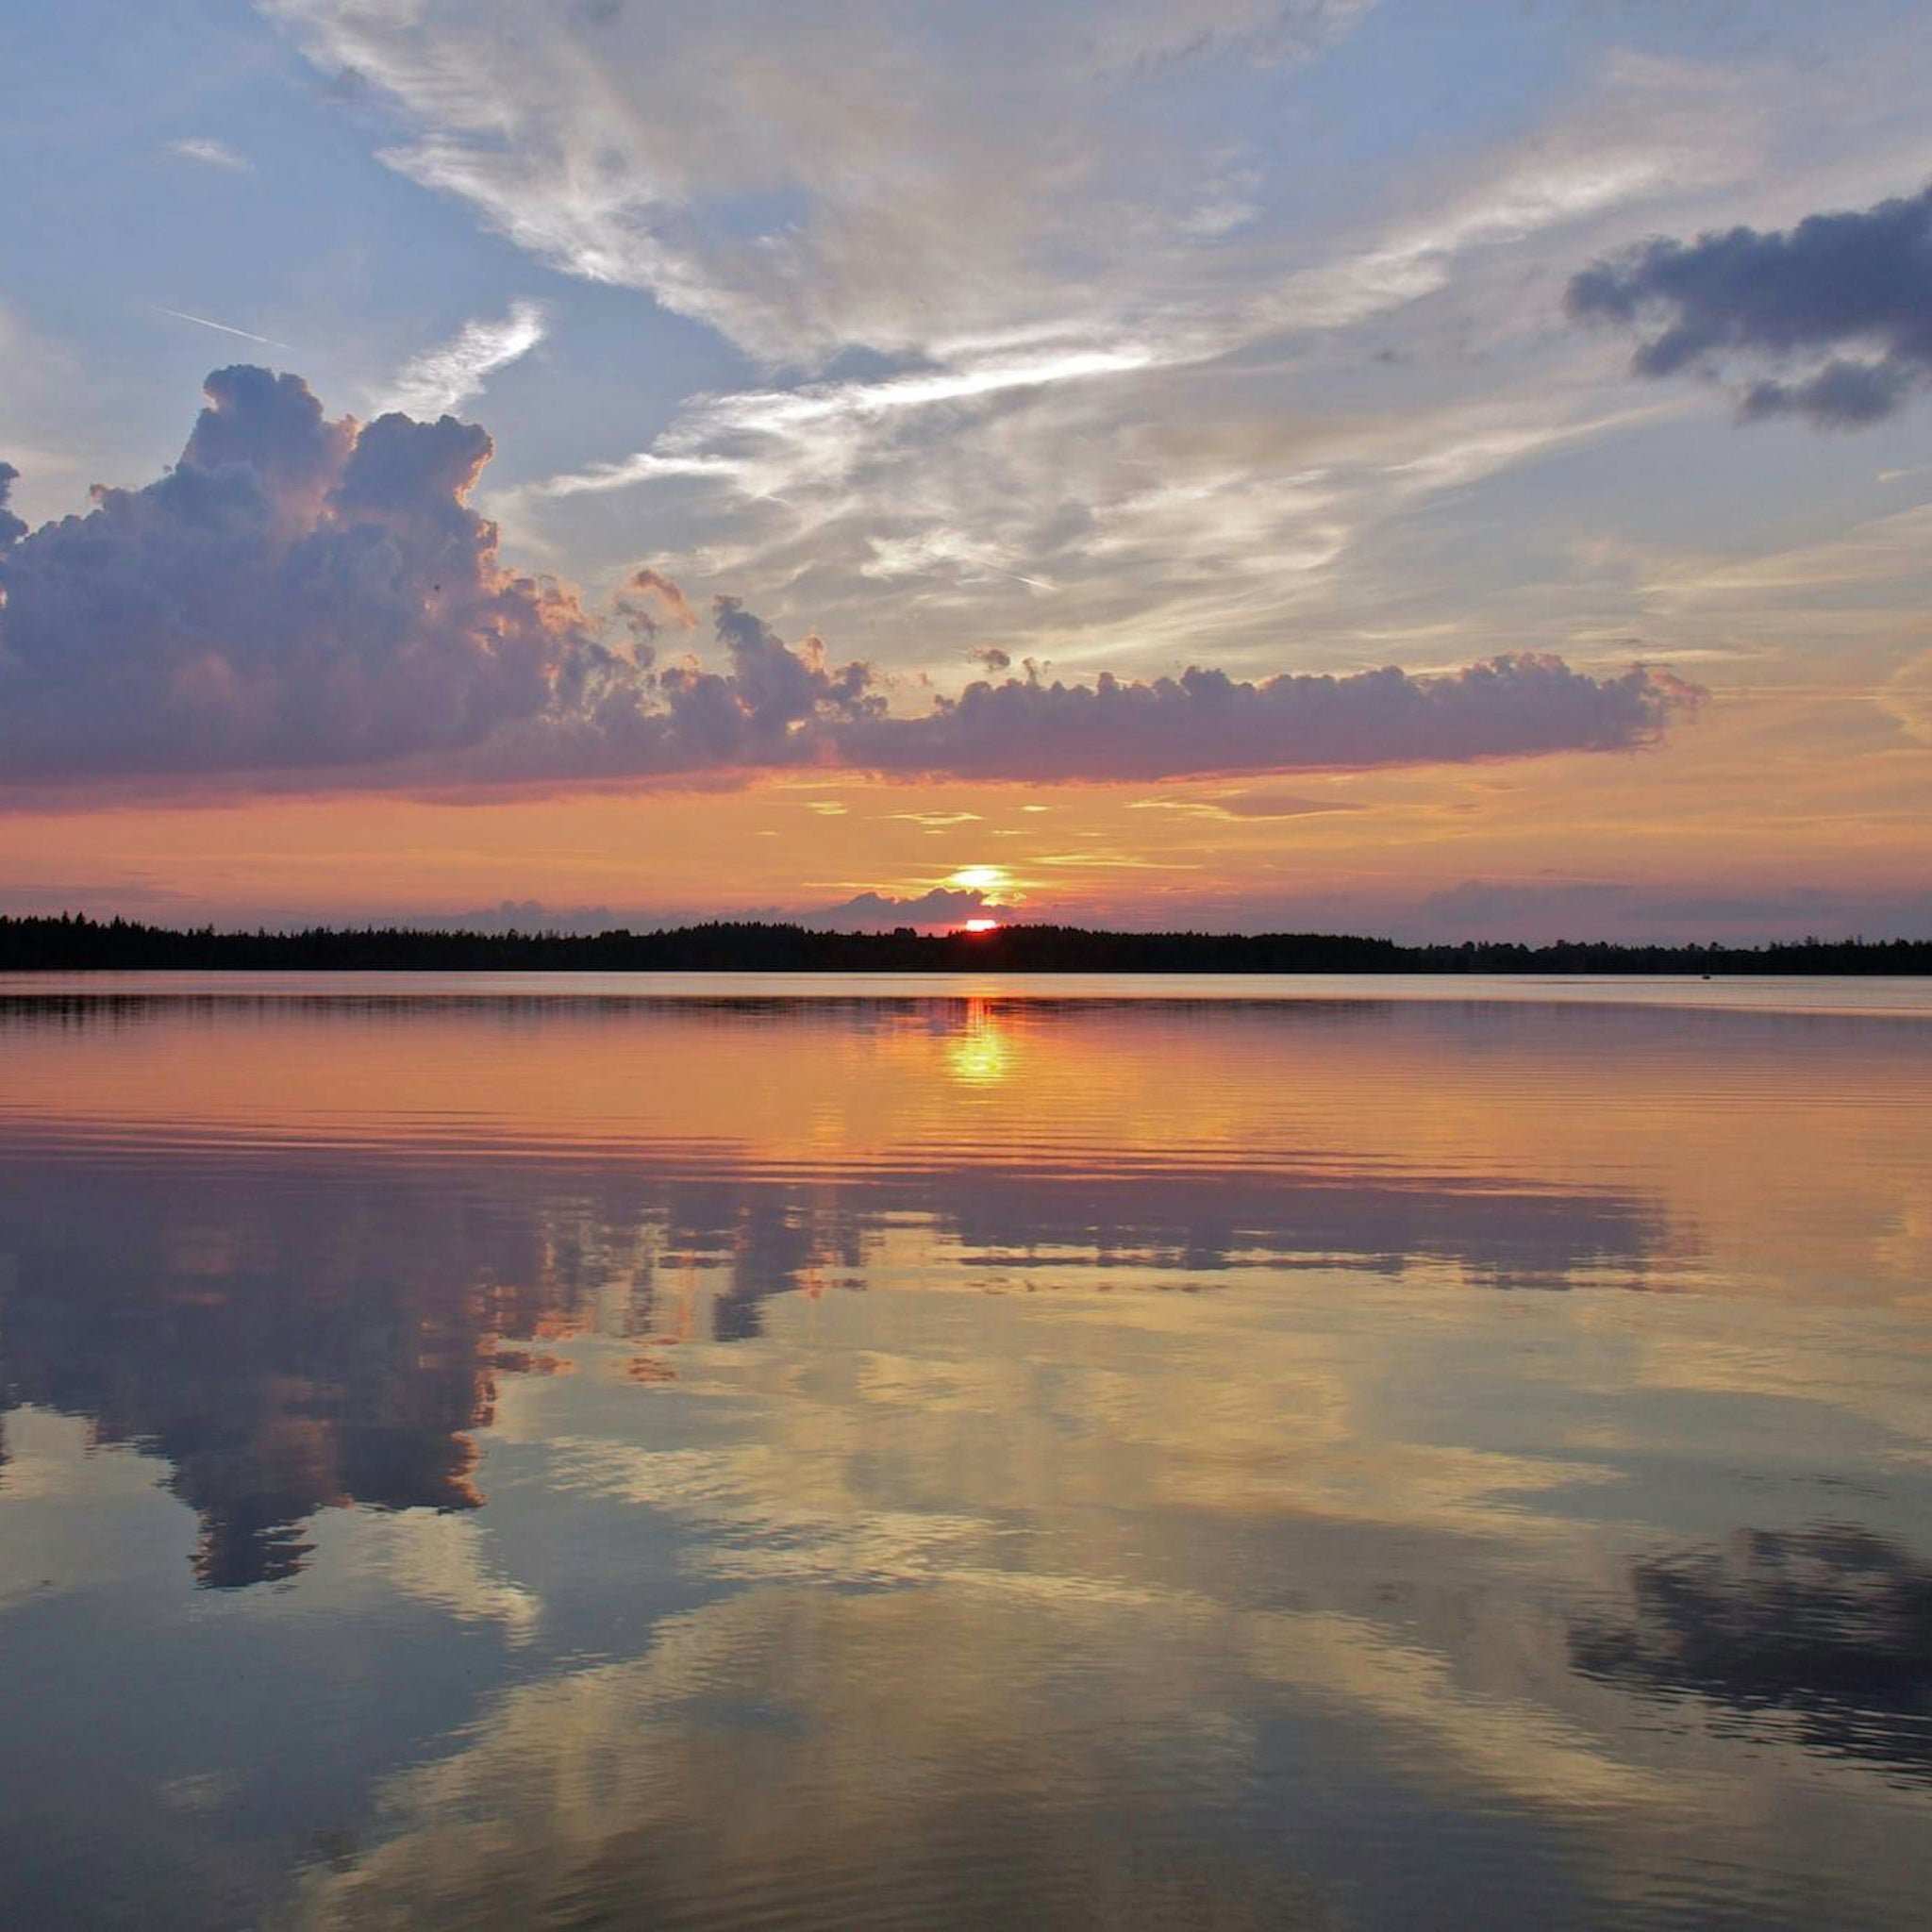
753	1464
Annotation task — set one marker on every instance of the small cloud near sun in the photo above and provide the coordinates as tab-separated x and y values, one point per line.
983	878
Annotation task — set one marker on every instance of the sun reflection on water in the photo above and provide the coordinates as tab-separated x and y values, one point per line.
983	1052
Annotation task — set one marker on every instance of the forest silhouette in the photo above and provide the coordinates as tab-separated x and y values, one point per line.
73	942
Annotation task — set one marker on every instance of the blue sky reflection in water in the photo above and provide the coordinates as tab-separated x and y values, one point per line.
561	1459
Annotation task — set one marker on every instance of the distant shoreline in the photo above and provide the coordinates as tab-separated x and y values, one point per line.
75	944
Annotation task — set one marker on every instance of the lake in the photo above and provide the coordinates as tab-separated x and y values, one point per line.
568	1451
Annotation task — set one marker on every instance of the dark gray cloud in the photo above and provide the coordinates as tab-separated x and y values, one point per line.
12	528
869	911
1205	722
1839	308
303	602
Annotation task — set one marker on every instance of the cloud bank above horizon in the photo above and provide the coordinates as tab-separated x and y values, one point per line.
305	597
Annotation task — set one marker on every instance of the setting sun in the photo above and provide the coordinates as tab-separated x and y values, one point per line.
981	926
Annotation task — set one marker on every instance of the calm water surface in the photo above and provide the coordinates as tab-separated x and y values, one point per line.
731	1454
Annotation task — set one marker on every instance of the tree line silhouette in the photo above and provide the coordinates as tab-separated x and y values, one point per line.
73	942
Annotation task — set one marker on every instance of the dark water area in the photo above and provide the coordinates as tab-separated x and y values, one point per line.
1210	1454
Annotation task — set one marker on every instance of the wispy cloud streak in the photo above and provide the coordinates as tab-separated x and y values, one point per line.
216	154
246	335
440	378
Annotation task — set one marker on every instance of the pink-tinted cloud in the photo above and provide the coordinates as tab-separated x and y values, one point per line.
293	593
307	601
650	602
1205	722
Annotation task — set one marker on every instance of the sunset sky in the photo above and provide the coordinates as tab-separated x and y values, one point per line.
1450	467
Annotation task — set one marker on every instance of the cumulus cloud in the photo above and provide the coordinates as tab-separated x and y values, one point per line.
942	905
293	593
12	528
453	371
304	598
1204	720
650	600
1839	309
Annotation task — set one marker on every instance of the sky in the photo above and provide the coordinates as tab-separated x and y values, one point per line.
1448	468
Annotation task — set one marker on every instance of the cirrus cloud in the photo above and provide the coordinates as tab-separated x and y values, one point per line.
216	154
453	371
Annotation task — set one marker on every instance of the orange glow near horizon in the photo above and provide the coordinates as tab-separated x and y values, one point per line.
1031	1088
1352	852
981	926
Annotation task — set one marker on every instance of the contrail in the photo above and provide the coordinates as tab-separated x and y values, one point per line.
247	335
